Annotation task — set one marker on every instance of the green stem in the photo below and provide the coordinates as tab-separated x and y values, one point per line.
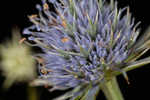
112	90
32	93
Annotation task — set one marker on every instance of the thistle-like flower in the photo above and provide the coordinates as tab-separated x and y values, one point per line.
84	43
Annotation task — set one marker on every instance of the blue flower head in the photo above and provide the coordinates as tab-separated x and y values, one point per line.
82	41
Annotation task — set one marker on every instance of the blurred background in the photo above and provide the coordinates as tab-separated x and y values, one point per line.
14	13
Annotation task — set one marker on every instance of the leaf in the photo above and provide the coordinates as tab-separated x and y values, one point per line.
112	4
83	51
100	4
74	94
78	95
65	96
68	94
91	93
65	53
143	38
134	65
135	55
144	46
93	26
72	7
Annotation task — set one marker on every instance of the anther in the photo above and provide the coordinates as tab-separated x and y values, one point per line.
33	16
62	18
22	40
64	23
43	71
45	6
65	39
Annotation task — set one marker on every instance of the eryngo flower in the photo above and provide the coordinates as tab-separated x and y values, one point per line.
83	42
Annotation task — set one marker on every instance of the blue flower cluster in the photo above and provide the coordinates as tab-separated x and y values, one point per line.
81	40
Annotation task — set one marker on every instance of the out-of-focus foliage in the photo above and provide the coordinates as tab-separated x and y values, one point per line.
17	64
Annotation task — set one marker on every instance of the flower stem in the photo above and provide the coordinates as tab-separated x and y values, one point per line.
112	90
32	93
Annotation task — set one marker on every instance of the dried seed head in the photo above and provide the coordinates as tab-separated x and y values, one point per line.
17	64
